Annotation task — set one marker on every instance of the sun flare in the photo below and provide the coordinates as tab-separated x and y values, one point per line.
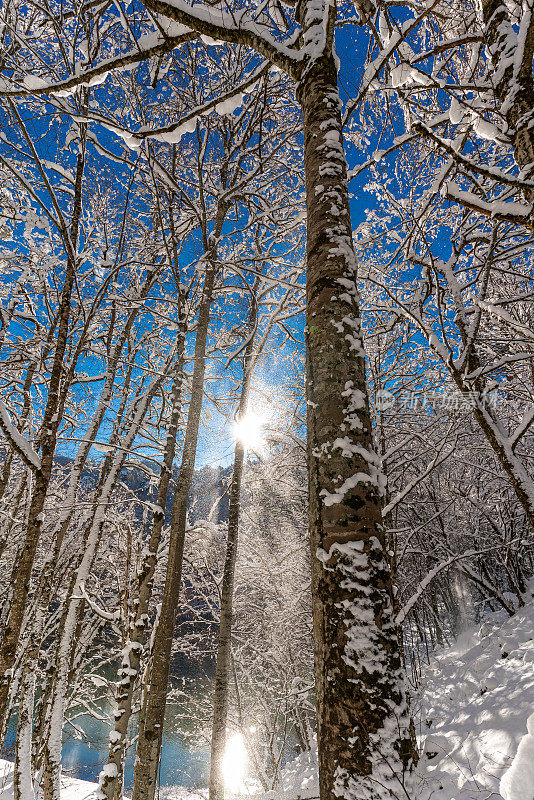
249	430
234	766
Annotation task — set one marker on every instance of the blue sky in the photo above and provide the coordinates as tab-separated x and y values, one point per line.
216	439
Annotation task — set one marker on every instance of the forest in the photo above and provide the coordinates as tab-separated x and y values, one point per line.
266	399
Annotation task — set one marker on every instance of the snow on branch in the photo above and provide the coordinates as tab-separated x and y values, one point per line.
378	155
517	213
448	44
223	104
108	616
56	221
372	70
236	27
174	131
439	459
34	85
427	580
522	428
489	172
523	355
17	441
503	315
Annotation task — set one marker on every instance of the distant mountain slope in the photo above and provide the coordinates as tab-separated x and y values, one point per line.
208	490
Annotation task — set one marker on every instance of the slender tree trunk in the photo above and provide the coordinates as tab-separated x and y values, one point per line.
223	667
6	472
23	778
111	777
18	505
75	602
255	758
518	475
51	422
153	714
363	722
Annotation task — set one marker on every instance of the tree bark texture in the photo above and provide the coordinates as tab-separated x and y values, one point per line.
364	737
512	61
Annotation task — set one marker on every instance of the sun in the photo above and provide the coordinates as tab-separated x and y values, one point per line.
249	431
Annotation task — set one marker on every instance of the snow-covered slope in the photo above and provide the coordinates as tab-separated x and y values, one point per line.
476	699
71	788
476	724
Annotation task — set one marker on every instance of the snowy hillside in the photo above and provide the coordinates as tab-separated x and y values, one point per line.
476	699
472	711
71	788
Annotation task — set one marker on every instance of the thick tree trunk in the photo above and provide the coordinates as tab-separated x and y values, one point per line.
364	737
512	60
153	712
223	667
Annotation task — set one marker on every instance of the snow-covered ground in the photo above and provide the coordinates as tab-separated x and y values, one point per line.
477	697
476	724
71	788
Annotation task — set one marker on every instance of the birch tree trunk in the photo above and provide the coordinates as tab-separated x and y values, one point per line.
22	776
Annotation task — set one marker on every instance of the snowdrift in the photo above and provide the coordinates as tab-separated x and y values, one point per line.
477	699
474	711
